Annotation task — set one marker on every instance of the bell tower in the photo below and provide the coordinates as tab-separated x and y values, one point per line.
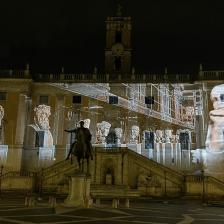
118	44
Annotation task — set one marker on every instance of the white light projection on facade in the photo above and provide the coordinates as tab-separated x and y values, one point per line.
215	136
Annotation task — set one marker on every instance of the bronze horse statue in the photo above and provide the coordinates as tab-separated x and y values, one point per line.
82	147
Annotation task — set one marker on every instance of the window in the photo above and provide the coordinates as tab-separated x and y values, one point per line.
3	95
118	37
43	100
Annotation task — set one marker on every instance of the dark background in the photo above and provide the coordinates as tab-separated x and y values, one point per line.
47	34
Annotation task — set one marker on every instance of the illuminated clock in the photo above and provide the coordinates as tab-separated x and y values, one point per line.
117	49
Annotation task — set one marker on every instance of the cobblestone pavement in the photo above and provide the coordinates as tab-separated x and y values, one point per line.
13	210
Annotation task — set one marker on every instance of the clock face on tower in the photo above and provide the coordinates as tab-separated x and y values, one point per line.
117	49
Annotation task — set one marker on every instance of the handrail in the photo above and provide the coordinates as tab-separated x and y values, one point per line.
58	173
18	174
217	181
179	174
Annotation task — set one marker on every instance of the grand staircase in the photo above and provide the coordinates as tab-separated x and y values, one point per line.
130	171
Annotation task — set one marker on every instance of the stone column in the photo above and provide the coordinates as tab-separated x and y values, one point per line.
21	119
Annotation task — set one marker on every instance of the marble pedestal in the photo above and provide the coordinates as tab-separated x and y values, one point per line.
3	154
214	165
147	153
135	147
169	159
79	191
162	153
46	156
186	159
156	152
37	158
177	154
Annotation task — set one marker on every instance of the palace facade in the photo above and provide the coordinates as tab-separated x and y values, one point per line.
164	117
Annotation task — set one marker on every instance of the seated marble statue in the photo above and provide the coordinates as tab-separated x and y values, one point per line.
103	129
215	135
134	138
118	133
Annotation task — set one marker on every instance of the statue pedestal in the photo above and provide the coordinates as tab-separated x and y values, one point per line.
147	153
162	153
214	165
3	154
79	191
37	158
156	155
46	156
177	154
168	154
135	147
186	159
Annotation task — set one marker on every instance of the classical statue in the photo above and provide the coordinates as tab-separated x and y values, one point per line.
188	116
168	135
159	136
78	125
82	147
134	138
86	123
42	113
103	129
118	133
41	120
215	135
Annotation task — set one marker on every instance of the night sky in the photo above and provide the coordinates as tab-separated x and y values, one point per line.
47	34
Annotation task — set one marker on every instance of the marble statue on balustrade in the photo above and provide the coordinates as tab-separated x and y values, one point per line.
118	133
134	141
86	123
168	135
159	136
134	137
103	129
189	114
3	148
